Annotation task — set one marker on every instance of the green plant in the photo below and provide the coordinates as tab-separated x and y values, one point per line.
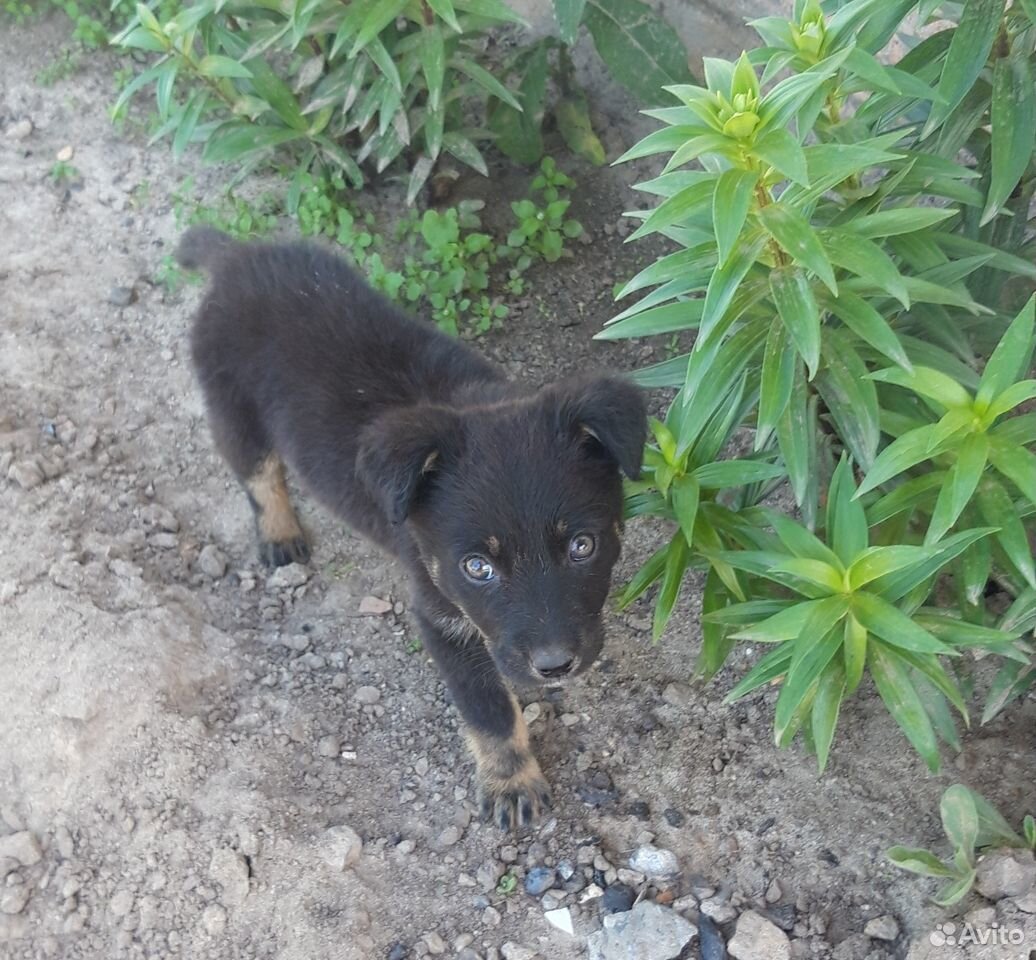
507	884
541	231
63	172
362	84
971	825
841	248
240	218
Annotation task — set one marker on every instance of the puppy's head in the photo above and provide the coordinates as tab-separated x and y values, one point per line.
516	508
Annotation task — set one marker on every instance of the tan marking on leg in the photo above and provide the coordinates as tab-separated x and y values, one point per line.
276	516
512	787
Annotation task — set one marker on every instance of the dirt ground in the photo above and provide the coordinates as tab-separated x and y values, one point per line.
180	738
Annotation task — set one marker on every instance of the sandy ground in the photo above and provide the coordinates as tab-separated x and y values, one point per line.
180	739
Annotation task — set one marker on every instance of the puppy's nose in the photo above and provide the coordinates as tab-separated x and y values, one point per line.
551	664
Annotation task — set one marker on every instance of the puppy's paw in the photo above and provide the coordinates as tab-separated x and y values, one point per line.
516	799
279	553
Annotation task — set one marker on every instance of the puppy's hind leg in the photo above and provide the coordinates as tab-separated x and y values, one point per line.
241	438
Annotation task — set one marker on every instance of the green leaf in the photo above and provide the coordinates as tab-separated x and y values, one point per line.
998	510
850	397
640	49
379	16
918	861
1013	123
961	480
782	151
813	652
972	40
724	284
730	205
799	240
846	521
1012	681
518	130
826	704
215	65
800	541
798	310
196	103
682	315
715	645
815	572
432	52
1017	464
892	679
679	207
910	494
772	666
893	626
777	379
815	616
490	9
569	14
869	325
487	81
444	10
877	562
235	140
678	556
930	383
1010	358
1014	395
573	116
649	572
896	221
735	473
465	151
903	453
866	259
685	493
897	585
959	817
957	890
797	429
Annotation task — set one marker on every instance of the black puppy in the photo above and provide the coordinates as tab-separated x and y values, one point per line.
504	504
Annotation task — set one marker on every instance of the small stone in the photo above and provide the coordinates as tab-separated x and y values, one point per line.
374	606
509	853
678	694
1006	873
774	892
468	954
674	817
329	746
710	940
14	899
367	695
489	873
212	562
514	951
421	766
214	920
122	296
447	838
569	719
288	577
491	917
756	938
654	862
532	712
26	473
121	903
65	154
639	809
436	945
719	909
539	880
342	847
561	919
882	928
21	846
19	130
647	932
397	951
618	898
228	868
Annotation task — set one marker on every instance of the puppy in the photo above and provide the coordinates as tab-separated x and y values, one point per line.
504	504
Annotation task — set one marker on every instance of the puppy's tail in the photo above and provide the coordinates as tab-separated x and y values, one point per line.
201	246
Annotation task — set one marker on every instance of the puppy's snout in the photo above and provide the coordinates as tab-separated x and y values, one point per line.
552	663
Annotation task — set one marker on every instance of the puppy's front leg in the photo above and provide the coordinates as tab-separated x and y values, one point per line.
512	789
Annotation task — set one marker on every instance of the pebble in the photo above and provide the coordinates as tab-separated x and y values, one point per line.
19	130
121	903
289	576
212	562
655	862
774	892
561	919
22	846
509	853
374	606
647	932
214	920
756	938
532	713
342	847
122	296
397	951
539	880
13	899
882	928
367	695
489	873
228	868
1006	874
468	954
618	898
436	945
514	951
447	838
678	694
26	473
65	154
710	940
329	746
719	909
673	817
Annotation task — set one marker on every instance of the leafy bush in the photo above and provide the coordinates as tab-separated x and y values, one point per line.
850	246
971	824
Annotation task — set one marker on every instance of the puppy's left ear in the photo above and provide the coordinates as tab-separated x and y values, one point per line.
607	414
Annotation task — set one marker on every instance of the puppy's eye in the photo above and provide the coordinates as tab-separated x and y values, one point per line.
478	569
582	547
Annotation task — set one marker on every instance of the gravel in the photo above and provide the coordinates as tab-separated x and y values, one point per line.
756	938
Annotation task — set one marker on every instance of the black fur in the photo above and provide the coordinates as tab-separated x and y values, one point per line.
420	443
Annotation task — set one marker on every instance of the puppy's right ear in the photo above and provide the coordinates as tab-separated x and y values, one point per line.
401	451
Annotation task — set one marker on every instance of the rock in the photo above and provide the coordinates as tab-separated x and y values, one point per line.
397	951
647	932
19	130
561	919
1006	873
677	694
509	853
756	938
122	296
654	862
718	909
14	899
639	809
121	903
288	577
367	695
447	838
539	880
212	562
532	712
674	817
214	920
228	868
436	945
329	746
468	954
856	946
374	606
26	473
66	153
514	951
882	928
618	898
21	846
710	940
599	792
774	892
342	847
